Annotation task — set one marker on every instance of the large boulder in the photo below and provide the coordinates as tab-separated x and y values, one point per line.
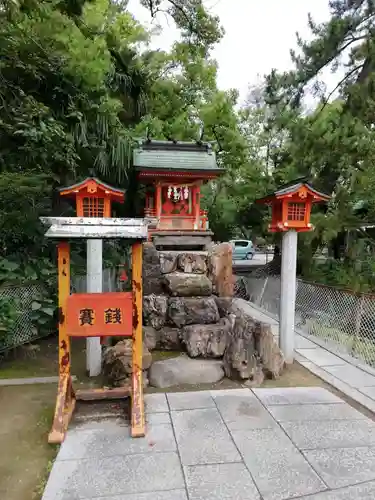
192	262
240	358
192	310
183	370
155	310
224	305
271	356
168	261
220	269
187	284
152	276
250	345
118	365
151	337
208	341
169	339
166	339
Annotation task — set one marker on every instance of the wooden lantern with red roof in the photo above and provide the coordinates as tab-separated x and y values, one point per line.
291	206
93	197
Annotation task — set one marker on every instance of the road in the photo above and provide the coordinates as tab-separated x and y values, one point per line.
260	259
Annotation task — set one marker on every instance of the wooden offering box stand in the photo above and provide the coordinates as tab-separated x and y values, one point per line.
97	314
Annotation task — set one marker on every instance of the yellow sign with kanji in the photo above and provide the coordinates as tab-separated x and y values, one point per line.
99	314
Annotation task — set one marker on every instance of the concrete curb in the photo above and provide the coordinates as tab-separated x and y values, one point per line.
30	381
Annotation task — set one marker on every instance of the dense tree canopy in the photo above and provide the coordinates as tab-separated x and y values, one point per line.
80	81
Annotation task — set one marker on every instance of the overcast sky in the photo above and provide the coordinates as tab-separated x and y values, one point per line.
259	35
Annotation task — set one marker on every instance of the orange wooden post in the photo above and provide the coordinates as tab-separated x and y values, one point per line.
65	402
63	259
137	410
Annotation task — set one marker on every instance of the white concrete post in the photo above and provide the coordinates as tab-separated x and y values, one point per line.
288	294
94	278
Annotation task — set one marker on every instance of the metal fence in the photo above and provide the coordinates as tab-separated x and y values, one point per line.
23	330
22	296
346	321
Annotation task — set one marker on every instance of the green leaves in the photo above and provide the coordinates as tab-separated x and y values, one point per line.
8	316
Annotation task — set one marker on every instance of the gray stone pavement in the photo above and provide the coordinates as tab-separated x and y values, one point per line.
345	373
270	444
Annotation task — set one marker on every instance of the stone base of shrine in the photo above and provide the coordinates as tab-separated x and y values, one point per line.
181	240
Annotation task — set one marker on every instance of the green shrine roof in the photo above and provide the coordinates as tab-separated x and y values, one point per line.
175	155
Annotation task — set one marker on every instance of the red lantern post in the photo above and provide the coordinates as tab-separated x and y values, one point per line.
291	209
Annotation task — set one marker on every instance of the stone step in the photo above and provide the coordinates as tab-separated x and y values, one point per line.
187	262
205	253
188	284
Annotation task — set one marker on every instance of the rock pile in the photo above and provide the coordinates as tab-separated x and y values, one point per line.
188	305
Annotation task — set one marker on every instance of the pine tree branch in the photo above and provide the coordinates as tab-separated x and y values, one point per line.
326	100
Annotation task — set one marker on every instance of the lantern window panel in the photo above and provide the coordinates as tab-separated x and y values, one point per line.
296	211
93	206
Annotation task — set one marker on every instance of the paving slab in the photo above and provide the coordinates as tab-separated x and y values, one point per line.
158	418
90	478
295	395
343	466
269	444
116	440
341	386
31	380
241	409
222	481
190	400
353	376
368	391
277	467
156	403
158	495
330	433
364	491
302	343
321	357
334	411
203	438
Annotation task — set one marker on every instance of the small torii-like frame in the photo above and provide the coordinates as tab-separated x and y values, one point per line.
291	209
97	315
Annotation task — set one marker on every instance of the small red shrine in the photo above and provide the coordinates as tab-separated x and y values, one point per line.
291	206
173	173
93	197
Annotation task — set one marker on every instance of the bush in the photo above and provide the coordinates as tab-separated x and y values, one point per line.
8	316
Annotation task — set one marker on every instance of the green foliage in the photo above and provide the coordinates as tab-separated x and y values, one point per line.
24	197
359	276
332	145
43	314
8	316
32	270
79	83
